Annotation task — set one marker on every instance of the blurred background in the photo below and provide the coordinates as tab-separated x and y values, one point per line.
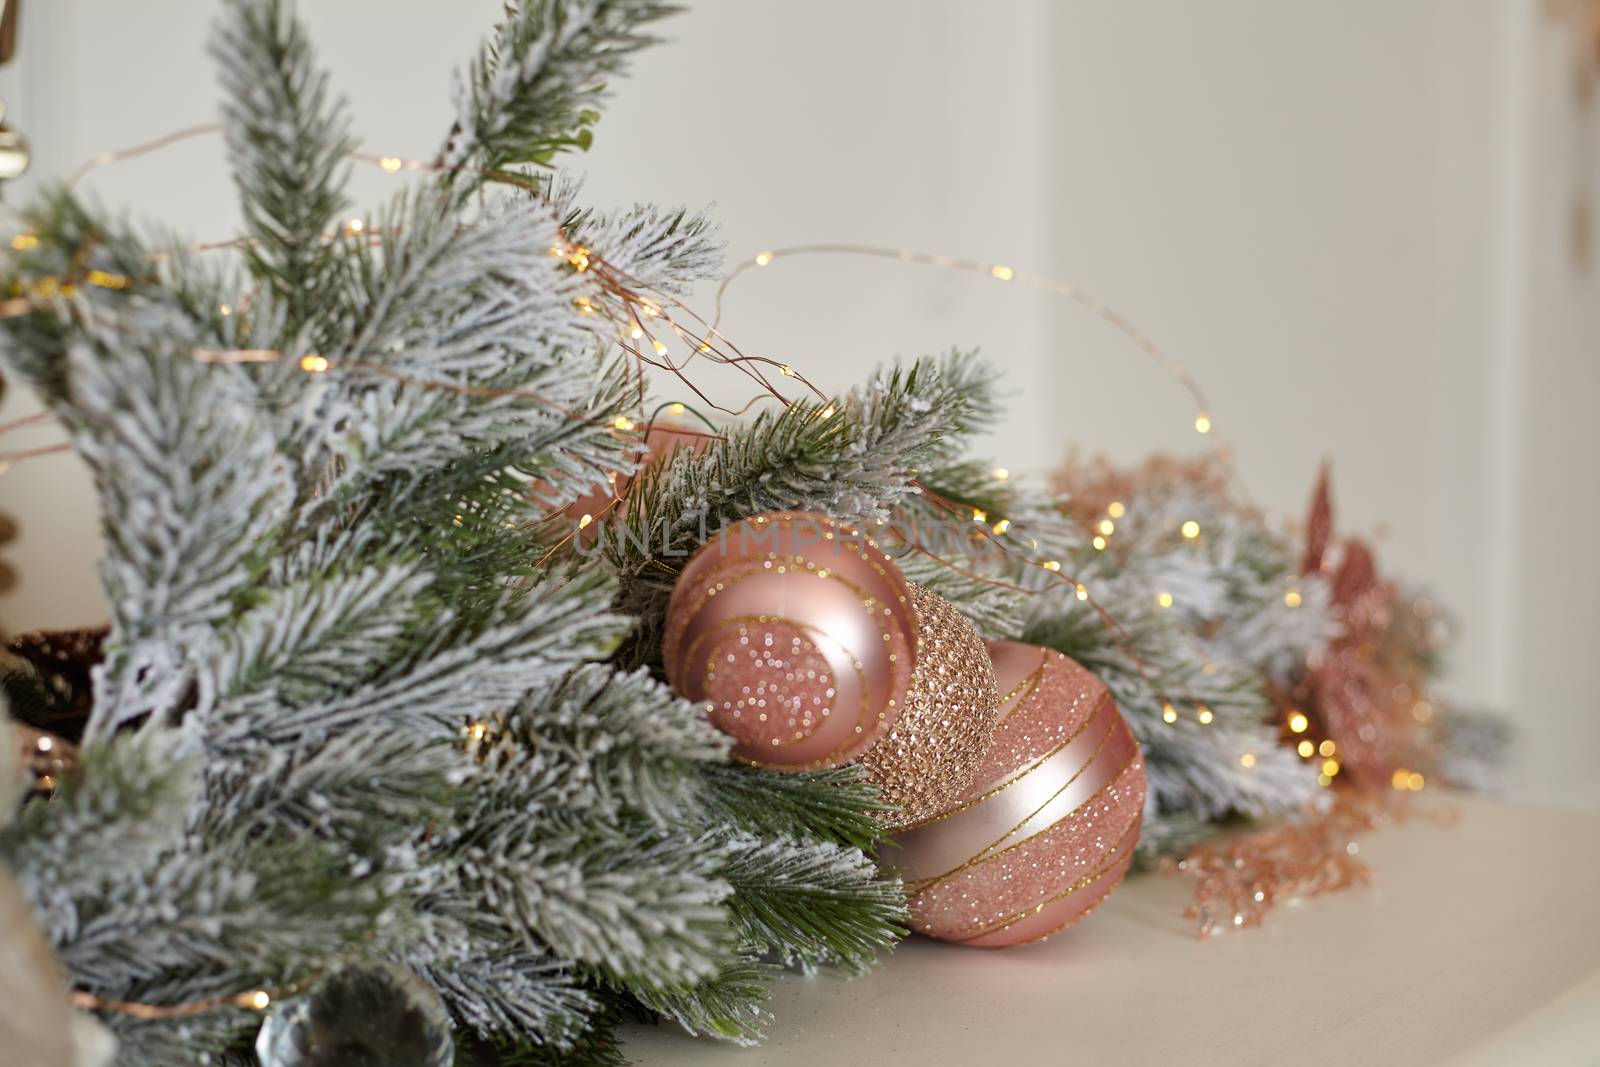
1369	228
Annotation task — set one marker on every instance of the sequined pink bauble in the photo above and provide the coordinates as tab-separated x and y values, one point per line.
1048	828
798	634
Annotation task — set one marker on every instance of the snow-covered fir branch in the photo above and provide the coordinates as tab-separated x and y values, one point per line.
530	91
288	137
342	714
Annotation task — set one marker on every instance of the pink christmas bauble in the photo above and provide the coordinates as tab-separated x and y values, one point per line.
798	634
809	649
1048	827
663	439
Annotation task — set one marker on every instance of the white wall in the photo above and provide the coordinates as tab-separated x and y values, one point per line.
1548	477
1347	218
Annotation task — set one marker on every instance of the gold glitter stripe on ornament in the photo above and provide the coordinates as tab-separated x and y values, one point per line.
866	705
839	531
717	581
811	631
1111	783
1031	683
1082	883
992	851
1116	858
1019	776
919	885
975	856
833	531
1127	860
894	579
793	562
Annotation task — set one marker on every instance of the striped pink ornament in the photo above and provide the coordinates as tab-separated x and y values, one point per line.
1047	830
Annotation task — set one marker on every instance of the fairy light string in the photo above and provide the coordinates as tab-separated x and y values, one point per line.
1203	421
106	159
634	307
1120	635
253	1000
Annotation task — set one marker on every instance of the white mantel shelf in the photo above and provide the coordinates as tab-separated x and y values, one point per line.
1477	943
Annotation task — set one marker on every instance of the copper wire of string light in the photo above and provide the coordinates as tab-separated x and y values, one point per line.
1119	633
1202	420
619	284
7	459
703	344
630	290
636	308
26	420
105	159
10	459
254	1000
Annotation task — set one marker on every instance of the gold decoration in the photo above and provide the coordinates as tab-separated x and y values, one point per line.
934	750
14	154
1239	879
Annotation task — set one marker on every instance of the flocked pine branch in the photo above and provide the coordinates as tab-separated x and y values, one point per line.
652	249
853	458
803	901
288	137
391	733
531	90
838	805
1190	678
729	1006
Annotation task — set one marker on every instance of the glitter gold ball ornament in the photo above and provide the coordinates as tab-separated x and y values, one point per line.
798	634
935	748
1047	829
